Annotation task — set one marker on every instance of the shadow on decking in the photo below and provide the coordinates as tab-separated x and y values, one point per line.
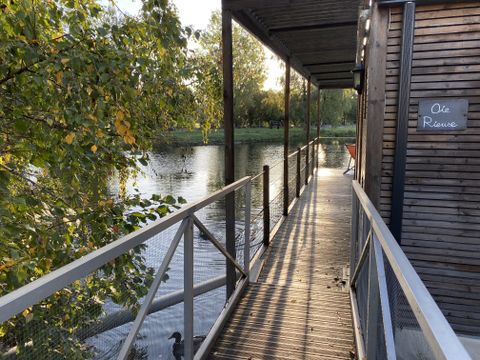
298	308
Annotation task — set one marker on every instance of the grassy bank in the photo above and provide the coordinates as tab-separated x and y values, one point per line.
251	135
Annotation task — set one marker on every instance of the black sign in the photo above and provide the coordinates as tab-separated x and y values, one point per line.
442	115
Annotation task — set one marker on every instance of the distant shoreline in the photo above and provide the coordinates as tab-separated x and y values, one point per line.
251	135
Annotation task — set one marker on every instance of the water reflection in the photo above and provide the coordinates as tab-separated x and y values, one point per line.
193	173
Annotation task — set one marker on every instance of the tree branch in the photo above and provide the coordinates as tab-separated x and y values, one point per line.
35	184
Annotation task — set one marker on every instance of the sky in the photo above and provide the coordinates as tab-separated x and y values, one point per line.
197	14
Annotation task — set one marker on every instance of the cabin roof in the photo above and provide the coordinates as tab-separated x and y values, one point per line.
319	36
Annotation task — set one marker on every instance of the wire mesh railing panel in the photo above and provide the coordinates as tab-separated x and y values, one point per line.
292	191
410	341
292	178
276	210
256	219
62	325
152	340
157	334
256	233
361	289
95	316
375	322
381	349
303	166
389	323
276	179
363	231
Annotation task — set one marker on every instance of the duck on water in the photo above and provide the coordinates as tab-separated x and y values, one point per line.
179	344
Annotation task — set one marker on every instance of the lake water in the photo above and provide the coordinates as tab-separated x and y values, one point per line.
193	173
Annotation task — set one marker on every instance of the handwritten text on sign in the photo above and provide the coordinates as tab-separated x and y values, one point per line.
442	115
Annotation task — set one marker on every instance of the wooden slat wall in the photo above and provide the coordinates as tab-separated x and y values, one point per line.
361	133
392	77
441	224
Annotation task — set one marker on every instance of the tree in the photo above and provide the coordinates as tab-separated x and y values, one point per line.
249	72
338	107
350	109
298	100
82	97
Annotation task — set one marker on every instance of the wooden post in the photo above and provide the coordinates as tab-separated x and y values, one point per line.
375	109
318	126
299	159
266	205
229	145
307	155
286	129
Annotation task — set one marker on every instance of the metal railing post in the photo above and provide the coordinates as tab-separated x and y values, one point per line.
354	233
248	202
306	164
436	330
373	307
299	160
286	189
266	205
386	314
317	153
188	290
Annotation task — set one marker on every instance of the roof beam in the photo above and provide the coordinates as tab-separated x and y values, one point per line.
270	41
333	75
346	78
313	27
255	4
342	84
252	26
340	62
330	53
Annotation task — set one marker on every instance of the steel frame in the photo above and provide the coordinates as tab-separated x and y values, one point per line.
381	246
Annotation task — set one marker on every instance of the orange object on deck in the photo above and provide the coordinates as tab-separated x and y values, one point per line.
352	149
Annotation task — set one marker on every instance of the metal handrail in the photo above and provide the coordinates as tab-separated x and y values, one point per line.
18	300
40	289
435	327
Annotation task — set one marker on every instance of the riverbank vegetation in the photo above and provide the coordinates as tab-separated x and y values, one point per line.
251	135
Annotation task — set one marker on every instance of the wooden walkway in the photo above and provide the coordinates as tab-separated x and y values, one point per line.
300	306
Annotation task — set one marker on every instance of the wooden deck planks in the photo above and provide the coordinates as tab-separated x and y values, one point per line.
300	307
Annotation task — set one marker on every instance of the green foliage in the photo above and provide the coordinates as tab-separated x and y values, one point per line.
266	109
338	107
242	135
83	92
253	106
249	71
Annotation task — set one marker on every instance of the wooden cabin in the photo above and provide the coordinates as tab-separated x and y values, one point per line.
419	142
